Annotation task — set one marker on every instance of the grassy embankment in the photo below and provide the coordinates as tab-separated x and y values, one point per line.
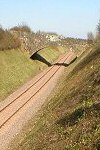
71	120
16	68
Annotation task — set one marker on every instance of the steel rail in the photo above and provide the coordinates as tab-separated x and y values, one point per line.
31	96
29	87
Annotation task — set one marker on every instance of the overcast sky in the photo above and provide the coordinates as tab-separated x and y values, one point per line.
71	18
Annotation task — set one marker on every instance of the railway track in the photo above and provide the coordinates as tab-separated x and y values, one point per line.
28	88
7	112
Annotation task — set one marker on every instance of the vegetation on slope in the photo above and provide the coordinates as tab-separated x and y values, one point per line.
71	120
16	67
8	41
22	28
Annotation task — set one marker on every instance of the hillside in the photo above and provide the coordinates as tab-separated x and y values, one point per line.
16	67
71	119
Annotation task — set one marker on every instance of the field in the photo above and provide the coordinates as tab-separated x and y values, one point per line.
16	68
71	118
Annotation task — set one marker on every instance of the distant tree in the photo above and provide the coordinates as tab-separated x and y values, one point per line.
98	31
22	28
1	32
98	27
90	37
52	33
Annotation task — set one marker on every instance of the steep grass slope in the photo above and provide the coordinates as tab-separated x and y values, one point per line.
71	120
16	67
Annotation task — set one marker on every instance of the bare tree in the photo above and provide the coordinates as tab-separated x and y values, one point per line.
98	27
22	28
98	31
90	37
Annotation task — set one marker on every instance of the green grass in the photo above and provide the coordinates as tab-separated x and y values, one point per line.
51	53
71	119
16	68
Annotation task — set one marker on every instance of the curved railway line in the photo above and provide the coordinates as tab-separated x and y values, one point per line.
4	109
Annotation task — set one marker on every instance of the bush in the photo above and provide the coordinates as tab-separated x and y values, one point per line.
1	33
22	28
7	40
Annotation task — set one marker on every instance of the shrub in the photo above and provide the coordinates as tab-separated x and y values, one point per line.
7	40
22	28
